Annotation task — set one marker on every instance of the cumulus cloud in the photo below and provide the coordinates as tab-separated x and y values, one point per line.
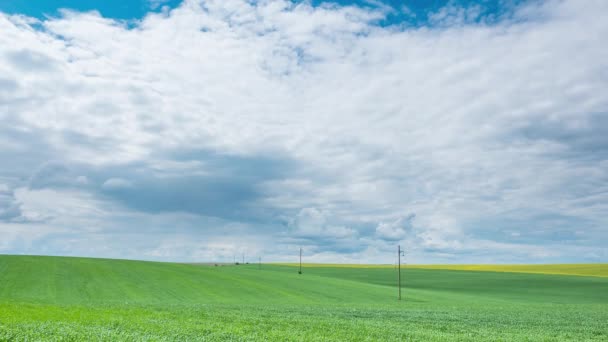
395	230
313	224
300	123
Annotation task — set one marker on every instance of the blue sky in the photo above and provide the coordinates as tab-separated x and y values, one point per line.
412	12
118	9
466	131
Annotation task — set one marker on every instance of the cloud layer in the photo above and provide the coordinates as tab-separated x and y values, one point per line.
229	127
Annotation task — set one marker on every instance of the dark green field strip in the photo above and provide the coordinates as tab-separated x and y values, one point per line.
512	286
81	280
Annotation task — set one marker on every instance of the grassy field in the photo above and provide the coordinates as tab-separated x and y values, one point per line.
52	298
592	270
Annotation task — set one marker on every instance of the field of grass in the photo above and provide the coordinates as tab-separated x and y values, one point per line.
79	299
592	270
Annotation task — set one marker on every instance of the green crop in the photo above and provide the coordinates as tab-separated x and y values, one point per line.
80	299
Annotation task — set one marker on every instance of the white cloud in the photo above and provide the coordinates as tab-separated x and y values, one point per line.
313	224
154	4
117	184
458	122
395	230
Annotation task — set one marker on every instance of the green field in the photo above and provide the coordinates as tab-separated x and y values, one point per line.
79	299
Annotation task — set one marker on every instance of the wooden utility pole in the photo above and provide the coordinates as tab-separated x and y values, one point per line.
399	252
300	271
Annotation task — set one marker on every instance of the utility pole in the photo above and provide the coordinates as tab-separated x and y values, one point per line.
300	271
243	258
399	253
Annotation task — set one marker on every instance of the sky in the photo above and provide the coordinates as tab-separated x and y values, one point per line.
205	130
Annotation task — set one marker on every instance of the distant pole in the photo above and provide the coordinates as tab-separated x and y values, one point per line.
300	271
260	264
243	258
399	254
399	269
